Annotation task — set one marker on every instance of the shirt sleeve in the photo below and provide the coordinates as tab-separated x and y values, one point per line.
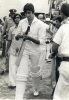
10	34
19	29
42	34
58	36
47	27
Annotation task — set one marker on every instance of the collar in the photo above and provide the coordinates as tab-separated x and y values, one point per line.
15	26
34	20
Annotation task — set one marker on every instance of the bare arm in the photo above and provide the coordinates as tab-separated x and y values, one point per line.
55	47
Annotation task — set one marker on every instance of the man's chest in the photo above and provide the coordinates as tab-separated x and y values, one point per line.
34	30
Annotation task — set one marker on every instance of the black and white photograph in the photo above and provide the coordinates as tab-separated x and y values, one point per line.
34	46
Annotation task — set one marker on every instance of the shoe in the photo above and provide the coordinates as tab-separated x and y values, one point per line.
11	87
48	60
36	93
2	72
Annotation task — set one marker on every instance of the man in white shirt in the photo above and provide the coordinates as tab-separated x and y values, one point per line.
33	52
61	45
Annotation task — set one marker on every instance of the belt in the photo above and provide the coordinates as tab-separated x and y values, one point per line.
64	58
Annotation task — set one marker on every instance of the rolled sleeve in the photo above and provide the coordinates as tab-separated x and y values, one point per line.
58	36
42	35
10	34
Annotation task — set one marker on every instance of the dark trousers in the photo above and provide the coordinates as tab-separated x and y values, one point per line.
3	48
57	66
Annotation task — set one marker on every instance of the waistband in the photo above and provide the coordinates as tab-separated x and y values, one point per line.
64	58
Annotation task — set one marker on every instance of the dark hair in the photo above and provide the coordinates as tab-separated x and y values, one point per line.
0	21
17	15
28	7
65	9
4	18
59	18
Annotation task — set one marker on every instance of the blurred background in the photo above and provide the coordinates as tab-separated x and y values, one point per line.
5	5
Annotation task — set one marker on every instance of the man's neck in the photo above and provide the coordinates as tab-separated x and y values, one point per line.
31	20
16	24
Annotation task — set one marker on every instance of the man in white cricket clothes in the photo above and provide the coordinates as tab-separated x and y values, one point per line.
34	51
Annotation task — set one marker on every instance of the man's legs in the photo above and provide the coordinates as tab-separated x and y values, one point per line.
62	89
37	61
20	90
22	74
12	70
3	48
36	85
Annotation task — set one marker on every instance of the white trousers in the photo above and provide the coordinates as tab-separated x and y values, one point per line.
12	70
37	61
62	87
23	72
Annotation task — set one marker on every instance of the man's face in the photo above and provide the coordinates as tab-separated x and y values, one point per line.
41	17
58	24
12	15
29	15
17	19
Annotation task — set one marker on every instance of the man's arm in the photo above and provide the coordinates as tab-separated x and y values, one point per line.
4	28
9	39
57	41
32	39
25	37
55	47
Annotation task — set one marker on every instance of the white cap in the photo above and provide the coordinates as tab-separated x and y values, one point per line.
47	19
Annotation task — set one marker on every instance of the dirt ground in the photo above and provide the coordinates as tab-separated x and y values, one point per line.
45	85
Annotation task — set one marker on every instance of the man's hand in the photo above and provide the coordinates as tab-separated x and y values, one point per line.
25	37
5	36
50	56
18	37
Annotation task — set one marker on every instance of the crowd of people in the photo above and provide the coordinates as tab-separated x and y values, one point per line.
27	41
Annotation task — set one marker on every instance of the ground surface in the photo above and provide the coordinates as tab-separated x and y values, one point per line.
45	88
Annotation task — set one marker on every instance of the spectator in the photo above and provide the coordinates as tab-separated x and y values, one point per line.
8	23
40	16
61	45
13	49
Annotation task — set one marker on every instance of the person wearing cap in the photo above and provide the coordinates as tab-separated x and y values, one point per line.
61	46
41	17
12	49
33	55
8	23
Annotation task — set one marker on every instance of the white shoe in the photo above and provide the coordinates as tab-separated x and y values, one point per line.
36	93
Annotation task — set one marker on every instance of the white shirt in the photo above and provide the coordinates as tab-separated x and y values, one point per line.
37	31
15	44
62	38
